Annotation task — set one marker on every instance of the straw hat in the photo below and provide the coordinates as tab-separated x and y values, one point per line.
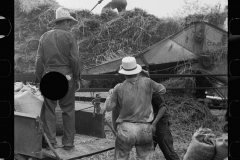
129	66
63	14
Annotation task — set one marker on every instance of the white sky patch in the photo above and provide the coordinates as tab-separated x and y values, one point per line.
159	8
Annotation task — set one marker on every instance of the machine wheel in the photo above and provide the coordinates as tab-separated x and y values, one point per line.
199	36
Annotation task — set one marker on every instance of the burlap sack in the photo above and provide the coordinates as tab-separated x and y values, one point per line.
202	146
25	88
221	148
18	86
26	102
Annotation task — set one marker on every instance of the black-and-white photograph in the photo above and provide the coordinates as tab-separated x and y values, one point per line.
121	79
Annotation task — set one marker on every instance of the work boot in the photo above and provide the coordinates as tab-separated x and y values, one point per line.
68	147
54	145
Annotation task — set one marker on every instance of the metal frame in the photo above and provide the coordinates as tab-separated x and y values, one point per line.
32	78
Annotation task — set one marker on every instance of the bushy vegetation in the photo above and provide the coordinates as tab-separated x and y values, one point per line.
100	37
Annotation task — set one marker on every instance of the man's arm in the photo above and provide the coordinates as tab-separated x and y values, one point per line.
110	104
157	87
39	64
158	101
161	111
111	100
74	59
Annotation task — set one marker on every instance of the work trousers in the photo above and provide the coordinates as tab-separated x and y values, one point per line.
134	134
67	104
163	138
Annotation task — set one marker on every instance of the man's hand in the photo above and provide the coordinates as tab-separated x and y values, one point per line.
103	110
110	92
153	126
78	85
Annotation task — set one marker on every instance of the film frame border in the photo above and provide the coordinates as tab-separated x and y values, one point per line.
233	55
7	54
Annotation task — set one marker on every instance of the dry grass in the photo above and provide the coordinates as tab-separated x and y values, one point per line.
110	36
100	38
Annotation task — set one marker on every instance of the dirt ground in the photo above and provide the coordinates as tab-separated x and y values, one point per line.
180	143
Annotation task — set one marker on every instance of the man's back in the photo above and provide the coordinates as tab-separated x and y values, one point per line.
58	52
56	44
134	98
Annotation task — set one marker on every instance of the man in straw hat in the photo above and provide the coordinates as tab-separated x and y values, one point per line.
58	52
134	97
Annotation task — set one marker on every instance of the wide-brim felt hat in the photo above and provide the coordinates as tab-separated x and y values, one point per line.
129	66
63	14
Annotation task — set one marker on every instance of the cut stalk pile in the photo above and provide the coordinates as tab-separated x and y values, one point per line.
109	36
100	37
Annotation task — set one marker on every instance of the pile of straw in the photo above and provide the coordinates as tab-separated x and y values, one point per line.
109	36
100	37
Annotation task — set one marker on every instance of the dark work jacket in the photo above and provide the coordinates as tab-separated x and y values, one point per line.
157	103
58	51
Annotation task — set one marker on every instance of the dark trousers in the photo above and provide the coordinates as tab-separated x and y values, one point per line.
67	104
163	138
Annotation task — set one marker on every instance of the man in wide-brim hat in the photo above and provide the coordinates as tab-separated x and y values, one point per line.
133	96
63	14
58	52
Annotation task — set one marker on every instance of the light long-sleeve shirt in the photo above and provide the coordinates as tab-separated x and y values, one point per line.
134	97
